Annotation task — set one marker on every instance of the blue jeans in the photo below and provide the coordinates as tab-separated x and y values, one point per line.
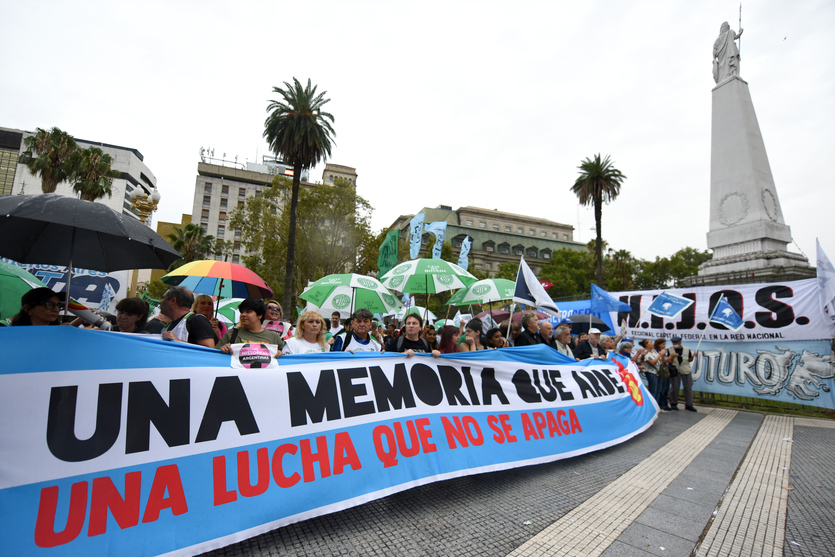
652	385
663	390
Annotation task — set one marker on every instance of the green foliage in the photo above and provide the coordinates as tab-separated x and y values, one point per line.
571	272
156	289
300	133
508	271
92	175
49	154
192	242
333	235
665	272
599	182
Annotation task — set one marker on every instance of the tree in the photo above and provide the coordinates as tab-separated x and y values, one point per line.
599	182
508	270
300	133
570	271
92	174
665	272
192	242
49	154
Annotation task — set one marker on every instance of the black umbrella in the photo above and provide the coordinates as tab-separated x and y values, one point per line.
582	324
58	230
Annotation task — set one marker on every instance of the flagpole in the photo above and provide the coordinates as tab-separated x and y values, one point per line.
510	319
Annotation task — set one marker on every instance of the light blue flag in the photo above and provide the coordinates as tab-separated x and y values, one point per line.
669	305
725	315
602	301
463	260
416	235
438	228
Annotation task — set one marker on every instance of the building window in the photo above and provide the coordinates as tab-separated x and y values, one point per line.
565	236
488	265
257	193
508	229
240	203
482	224
504	248
221	230
236	246
469	223
456	243
204	227
221	215
518	250
424	239
489	246
223	203
546	254
495	227
207	188
520	230
236	258
532	253
224	190
207	200
205	215
555	236
544	234
237	234
241	192
532	232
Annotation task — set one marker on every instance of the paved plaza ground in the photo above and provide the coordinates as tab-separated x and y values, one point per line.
713	483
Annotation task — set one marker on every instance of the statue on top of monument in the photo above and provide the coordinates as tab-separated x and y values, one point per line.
725	54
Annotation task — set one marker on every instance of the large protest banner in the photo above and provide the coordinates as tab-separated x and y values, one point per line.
774	311
123	445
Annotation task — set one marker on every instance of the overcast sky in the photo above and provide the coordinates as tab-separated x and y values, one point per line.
490	104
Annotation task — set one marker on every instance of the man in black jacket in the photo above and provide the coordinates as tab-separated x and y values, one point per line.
546	333
529	334
590	348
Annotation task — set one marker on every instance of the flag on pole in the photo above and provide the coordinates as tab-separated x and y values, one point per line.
463	260
669	305
529	291
438	228
725	315
826	282
415	235
388	252
602	301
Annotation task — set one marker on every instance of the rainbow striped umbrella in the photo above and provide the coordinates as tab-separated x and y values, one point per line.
219	278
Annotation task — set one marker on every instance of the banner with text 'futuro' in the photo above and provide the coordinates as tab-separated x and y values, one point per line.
118	444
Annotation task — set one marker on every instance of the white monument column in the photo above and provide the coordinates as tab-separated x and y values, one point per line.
747	232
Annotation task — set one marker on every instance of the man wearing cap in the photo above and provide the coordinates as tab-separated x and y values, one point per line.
590	348
683	356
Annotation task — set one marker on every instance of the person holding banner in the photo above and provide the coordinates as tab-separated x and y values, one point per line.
410	342
185	326
590	348
357	338
309	337
563	341
251	331
682	358
39	306
131	315
530	334
272	320
449	339
495	339
546	333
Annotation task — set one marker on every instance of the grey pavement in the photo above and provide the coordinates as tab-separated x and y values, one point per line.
716	482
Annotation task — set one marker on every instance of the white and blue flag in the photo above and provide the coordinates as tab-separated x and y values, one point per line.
463	260
438	228
669	305
602	301
724	314
530	291
416	235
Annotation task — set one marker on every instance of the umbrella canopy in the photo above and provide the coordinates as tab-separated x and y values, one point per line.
445	322
428	276
227	310
14	283
348	292
51	228
498	315
483	292
580	324
518	315
415	310
218	278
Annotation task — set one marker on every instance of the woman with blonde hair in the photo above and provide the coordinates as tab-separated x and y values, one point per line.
309	336
205	306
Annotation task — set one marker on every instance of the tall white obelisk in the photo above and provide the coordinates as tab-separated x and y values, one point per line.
747	232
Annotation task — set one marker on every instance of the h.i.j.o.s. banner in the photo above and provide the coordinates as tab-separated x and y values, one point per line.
124	445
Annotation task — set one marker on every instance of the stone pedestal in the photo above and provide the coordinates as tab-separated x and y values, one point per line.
747	233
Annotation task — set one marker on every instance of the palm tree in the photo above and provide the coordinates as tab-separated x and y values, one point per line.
300	133
599	182
92	174
49	154
192	242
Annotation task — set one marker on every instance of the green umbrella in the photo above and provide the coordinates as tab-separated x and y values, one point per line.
483	292
14	283
426	276
349	292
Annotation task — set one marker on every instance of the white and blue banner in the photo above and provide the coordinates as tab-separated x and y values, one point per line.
799	371
725	315
463	259
668	305
438	228
777	311
416	235
117	444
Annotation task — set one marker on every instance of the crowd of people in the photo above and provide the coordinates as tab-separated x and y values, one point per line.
188	319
